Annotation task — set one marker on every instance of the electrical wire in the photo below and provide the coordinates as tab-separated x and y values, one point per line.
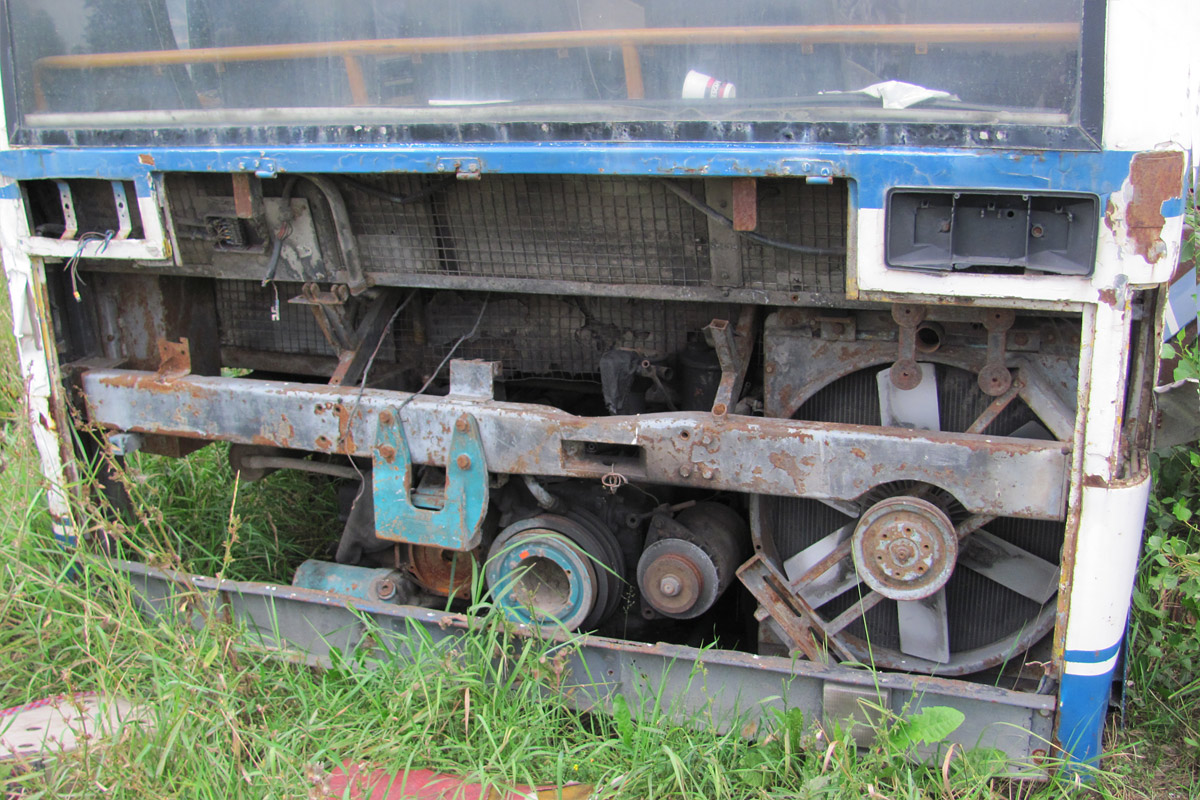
757	238
72	265
398	199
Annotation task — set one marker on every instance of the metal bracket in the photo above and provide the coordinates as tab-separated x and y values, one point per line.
994	378
174	360
121	204
733	347
465	169
794	616
458	523
328	308
905	373
812	170
70	221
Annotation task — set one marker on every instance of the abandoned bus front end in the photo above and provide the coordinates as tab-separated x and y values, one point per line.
813	335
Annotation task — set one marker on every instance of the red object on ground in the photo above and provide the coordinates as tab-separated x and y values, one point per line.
423	784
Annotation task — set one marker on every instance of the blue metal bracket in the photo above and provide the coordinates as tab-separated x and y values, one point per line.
456	522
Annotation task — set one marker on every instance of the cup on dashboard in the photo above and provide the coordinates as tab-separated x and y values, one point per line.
698	85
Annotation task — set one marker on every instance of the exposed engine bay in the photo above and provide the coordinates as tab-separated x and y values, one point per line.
845	480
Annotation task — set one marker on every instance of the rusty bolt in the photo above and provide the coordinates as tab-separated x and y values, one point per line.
685	471
669	586
719	409
461	425
385	417
385	588
769	369
1020	338
388	452
1037	231
463	461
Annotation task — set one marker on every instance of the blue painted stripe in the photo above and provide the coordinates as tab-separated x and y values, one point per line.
1093	656
1082	705
876	170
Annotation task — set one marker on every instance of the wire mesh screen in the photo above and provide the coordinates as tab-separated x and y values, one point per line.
591	229
797	213
244	310
546	335
541	230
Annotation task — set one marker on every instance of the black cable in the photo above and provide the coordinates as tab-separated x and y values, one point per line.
758	238
398	199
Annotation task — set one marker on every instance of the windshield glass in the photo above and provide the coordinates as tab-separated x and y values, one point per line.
158	63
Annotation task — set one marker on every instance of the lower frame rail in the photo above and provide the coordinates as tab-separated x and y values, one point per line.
717	688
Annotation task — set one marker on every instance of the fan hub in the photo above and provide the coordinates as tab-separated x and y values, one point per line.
904	548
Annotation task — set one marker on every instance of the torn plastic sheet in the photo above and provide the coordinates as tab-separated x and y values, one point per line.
898	94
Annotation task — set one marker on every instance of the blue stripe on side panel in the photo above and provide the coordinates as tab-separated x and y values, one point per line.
1092	656
875	170
1082	705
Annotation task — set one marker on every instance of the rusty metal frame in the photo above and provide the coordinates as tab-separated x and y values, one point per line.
998	476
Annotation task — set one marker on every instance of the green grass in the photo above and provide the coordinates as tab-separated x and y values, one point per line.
229	720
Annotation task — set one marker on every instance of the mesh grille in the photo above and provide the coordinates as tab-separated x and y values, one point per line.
244	309
588	230
592	229
804	214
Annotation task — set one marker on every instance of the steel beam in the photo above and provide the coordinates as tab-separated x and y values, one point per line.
792	458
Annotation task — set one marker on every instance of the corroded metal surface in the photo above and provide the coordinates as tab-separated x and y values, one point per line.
1000	476
904	548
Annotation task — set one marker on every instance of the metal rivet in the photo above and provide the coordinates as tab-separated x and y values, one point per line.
685	471
461	425
464	461
385	417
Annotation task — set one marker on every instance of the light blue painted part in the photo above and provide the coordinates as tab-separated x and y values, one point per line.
875	170
325	576
503	572
458	523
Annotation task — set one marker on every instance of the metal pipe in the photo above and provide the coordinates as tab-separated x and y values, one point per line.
303	465
542	495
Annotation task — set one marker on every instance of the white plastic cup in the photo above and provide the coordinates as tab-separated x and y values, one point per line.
698	85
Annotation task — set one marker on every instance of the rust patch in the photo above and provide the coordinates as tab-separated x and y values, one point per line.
1109	297
345	437
146	158
1094	482
745	204
1156	177
858	452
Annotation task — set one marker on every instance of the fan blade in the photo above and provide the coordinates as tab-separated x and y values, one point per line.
910	408
839	578
1010	566
925	627
1033	430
